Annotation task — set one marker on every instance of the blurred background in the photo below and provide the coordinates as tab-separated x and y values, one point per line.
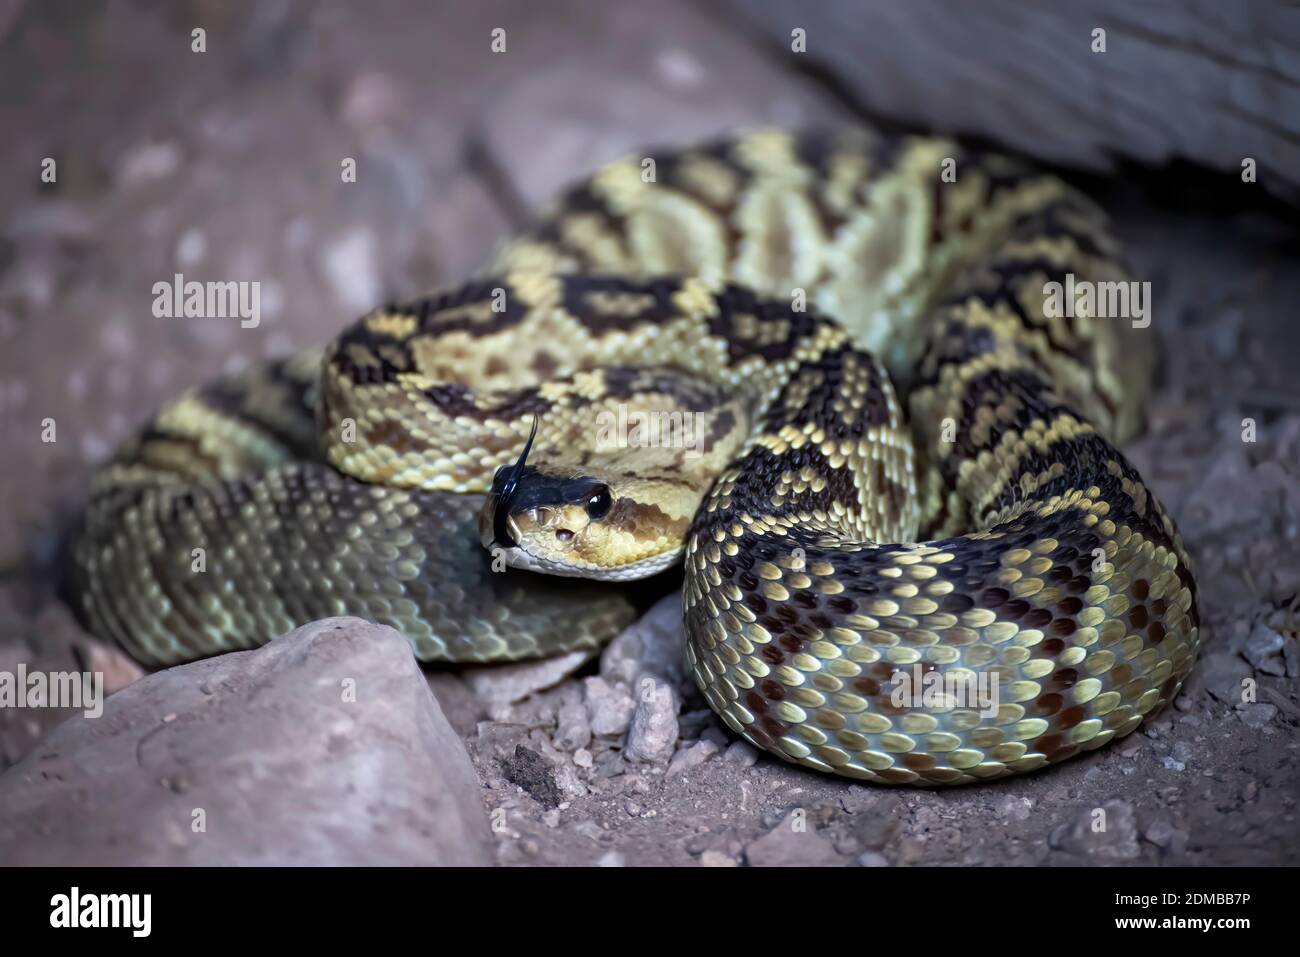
225	164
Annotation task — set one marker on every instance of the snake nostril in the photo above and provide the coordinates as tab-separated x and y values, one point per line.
563	534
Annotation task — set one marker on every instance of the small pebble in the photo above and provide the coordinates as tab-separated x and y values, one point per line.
1014	808
717	859
741	753
1264	651
609	706
1258	715
589	829
572	731
691	757
652	733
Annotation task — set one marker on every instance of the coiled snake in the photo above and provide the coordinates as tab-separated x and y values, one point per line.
828	560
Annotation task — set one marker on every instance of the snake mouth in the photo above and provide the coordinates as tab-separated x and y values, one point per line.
520	557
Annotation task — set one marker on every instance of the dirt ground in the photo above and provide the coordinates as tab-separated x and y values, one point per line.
226	163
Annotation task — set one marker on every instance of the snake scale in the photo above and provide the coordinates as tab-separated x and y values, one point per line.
772	289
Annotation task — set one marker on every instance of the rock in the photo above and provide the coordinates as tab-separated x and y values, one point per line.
911	851
1264	651
877	825
570	785
572	728
653	646
590	830
701	841
1257	715
1291	656
742	753
1162	833
530	771
1180	755
717	859
1014	808
611	765
872	859
691	757
500	685
1161	726
697	723
652	733
1207	511
609	706
1107	836
323	747
461	706
792	844
1221	675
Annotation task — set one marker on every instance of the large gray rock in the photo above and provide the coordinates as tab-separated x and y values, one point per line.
654	646
498	686
957	66
323	747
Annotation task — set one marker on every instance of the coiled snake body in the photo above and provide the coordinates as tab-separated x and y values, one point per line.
832	551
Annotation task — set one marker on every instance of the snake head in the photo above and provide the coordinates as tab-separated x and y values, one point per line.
563	520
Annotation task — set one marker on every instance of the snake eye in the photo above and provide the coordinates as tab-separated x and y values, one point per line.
598	503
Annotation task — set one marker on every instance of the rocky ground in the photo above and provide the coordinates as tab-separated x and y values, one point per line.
226	163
